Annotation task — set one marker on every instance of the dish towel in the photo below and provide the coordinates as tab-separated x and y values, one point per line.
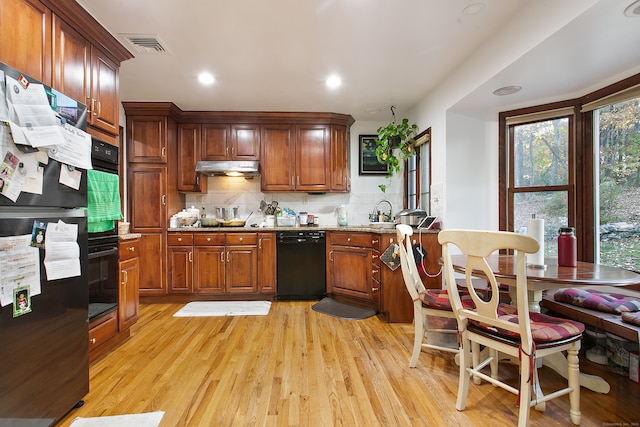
103	201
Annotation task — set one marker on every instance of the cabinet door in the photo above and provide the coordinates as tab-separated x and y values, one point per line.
267	264
241	274
340	166
152	277
208	269
215	142
188	151
312	158
71	62
25	32
180	269
147	198
146	139
350	272
277	158
105	89
128	294
245	142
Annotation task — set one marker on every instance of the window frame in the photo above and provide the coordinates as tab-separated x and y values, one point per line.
581	200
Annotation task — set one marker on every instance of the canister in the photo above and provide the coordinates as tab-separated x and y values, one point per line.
567	247
303	218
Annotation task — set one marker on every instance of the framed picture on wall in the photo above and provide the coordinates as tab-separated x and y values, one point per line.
369	164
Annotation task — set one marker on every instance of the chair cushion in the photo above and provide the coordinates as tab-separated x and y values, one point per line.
544	328
631	318
594	300
439	299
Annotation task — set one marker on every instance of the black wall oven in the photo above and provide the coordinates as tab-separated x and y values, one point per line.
103	247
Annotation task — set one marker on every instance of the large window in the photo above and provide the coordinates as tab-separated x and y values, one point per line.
617	182
577	163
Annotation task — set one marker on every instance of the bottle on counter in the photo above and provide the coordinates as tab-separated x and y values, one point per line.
567	247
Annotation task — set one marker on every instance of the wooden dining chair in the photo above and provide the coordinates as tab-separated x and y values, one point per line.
521	334
427	303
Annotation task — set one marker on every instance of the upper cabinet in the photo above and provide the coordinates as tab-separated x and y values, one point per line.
228	141
62	45
189	141
25	31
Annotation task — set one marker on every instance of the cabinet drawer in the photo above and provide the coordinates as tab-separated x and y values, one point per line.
242	238
180	239
208	239
362	240
103	331
128	249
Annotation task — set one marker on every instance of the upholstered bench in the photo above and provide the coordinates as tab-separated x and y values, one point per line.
606	321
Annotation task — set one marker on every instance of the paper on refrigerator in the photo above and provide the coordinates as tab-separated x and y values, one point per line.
19	266
62	253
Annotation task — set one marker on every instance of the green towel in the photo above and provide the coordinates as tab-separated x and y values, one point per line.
103	201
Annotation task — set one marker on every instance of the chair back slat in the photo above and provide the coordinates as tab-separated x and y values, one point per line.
477	246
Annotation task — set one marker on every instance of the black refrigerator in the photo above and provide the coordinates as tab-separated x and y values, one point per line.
44	368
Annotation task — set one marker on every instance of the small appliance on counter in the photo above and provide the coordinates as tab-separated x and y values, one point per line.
417	218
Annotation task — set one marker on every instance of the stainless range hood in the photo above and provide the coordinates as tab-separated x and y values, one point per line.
245	168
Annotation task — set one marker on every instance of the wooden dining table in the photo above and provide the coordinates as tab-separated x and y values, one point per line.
553	276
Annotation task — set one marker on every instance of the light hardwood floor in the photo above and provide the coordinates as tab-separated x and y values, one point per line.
296	367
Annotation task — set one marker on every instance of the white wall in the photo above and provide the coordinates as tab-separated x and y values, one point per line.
464	150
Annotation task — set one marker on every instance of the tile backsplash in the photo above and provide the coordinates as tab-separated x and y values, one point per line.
246	194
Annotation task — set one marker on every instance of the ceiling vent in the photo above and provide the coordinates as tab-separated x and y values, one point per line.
145	43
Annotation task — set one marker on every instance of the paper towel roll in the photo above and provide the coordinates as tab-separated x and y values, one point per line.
535	229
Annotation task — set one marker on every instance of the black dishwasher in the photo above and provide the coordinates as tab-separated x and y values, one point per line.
301	265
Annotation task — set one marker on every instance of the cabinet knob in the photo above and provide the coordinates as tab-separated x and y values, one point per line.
92	340
374	271
179	239
241	239
374	241
374	256
348	239
208	239
131	248
374	289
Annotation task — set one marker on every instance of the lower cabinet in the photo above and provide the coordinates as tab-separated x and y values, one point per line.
106	332
357	274
349	267
221	263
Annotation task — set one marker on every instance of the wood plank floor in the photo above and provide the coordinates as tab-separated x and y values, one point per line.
296	367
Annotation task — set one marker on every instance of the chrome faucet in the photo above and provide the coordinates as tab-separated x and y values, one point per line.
375	208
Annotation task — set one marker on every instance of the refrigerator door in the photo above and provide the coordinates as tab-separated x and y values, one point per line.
44	369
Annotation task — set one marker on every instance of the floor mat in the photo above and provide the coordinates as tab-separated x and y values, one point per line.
224	308
151	419
340	310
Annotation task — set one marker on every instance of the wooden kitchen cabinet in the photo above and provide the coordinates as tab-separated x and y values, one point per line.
267	263
230	141
209	263
189	141
212	263
350	267
104	99
152	186
340	168
295	158
128	298
25	31
180	262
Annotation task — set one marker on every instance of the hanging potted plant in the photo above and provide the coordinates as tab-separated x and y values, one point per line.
395	143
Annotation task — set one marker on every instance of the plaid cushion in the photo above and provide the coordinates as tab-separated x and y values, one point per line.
439	299
631	318
594	300
543	328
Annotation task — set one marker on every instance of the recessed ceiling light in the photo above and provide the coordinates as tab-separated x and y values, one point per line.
333	81
373	110
633	10
507	90
206	78
473	8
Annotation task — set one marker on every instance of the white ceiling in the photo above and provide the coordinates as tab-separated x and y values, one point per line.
274	55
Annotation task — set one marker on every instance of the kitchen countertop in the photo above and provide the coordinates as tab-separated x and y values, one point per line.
355	228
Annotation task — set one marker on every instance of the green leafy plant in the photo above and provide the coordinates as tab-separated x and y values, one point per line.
398	138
